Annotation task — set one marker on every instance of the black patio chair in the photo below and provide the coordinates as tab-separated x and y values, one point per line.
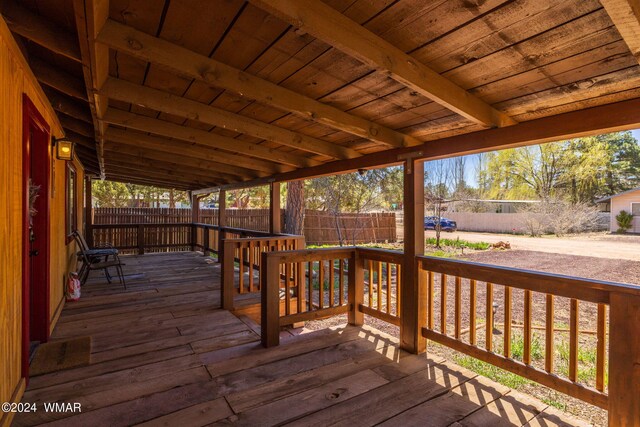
97	258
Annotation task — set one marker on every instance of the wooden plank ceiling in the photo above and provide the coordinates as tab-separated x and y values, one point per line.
192	94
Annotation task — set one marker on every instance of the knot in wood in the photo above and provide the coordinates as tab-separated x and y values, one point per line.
134	44
336	394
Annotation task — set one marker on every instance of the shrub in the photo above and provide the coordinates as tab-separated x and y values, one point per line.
624	220
560	217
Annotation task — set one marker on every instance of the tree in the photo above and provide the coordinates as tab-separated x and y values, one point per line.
579	170
110	194
439	183
354	192
294	213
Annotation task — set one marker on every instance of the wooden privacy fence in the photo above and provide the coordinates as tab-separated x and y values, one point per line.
320	228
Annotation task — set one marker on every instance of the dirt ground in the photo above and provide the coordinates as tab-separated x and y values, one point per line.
599	245
600	268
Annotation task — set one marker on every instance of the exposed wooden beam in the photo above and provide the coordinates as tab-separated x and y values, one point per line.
67	105
78	126
90	16
201	137
123	178
615	117
188	63
40	30
174	148
131	171
145	171
80	139
57	79
166	161
146	166
625	15
327	24
183	107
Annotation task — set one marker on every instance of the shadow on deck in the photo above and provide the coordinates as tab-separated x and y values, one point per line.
164	353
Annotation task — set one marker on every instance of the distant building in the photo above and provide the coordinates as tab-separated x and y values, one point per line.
626	201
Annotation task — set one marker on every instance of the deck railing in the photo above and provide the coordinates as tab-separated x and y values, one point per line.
538	295
382	279
474	309
246	253
143	238
328	282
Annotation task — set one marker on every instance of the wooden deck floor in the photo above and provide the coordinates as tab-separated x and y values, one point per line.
163	353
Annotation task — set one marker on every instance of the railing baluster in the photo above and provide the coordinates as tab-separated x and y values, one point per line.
379	292
310	283
526	352
443	303
507	322
472	311
573	340
549	335
241	270
341	281
287	288
458	308
398	287
251	287
321	283
489	318
370	284
601	345
388	310
332	286
300	286
431	296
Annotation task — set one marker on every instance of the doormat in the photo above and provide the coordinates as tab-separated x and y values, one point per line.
59	355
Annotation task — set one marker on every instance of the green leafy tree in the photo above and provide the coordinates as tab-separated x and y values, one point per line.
110	194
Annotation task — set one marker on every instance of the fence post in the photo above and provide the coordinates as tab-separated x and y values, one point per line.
228	286
140	239
624	360
270	301
356	288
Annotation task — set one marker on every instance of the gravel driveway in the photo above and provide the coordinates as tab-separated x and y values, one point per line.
599	245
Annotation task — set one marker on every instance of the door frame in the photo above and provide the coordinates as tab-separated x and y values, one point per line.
41	153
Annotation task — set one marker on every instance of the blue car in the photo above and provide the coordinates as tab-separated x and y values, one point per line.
445	224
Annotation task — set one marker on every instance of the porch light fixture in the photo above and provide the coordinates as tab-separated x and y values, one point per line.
64	148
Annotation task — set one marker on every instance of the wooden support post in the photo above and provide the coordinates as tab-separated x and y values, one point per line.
222	222
205	242
88	213
195	217
274	208
270	301
356	288
140	239
414	293
624	360
228	285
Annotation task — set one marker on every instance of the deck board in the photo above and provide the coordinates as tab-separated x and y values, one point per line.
163	352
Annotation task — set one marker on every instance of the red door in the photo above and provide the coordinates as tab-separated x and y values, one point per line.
35	259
